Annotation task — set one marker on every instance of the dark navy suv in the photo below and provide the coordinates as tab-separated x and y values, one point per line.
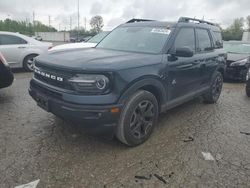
142	68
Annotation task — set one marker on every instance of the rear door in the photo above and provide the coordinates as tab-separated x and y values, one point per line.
12	47
183	72
207	55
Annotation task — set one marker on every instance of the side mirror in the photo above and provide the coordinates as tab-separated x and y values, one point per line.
184	52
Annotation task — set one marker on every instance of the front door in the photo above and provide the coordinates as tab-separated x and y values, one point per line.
183	72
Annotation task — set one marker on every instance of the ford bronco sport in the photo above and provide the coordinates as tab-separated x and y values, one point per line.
142	68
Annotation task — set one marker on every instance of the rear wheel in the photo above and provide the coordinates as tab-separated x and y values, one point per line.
214	92
138	118
28	63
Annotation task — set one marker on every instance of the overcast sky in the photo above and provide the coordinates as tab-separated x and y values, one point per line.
115	12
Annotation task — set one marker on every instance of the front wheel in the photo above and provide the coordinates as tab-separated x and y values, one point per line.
248	88
28	63
214	92
138	118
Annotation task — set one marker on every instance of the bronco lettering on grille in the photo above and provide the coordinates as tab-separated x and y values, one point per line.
48	75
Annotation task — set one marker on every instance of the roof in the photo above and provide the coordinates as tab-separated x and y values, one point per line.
149	24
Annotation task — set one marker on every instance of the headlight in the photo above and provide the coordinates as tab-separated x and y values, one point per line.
239	63
90	83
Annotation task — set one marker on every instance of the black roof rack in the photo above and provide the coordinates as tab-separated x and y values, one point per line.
138	20
186	19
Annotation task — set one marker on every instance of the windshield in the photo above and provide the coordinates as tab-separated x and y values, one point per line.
237	48
136	39
97	38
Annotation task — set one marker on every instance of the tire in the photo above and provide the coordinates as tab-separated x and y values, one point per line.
214	92
138	118
28	62
248	88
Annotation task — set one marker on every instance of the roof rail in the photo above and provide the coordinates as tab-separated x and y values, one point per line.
187	19
138	20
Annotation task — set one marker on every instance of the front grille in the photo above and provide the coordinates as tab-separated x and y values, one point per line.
46	91
55	74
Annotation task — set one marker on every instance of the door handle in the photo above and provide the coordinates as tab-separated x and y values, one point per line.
21	47
185	66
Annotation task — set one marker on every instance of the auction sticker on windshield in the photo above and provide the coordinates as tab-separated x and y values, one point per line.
161	31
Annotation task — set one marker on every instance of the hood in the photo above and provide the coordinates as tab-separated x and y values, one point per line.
236	57
73	46
97	59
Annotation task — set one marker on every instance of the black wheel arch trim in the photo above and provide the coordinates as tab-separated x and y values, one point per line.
145	83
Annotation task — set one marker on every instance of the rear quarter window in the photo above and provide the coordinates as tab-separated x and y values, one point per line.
218	39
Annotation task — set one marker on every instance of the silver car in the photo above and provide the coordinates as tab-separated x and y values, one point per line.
20	50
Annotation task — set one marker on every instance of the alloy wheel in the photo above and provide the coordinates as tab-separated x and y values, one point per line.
217	87
142	119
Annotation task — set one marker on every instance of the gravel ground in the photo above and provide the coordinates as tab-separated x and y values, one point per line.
37	145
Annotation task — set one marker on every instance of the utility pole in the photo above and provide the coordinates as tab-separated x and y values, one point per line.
33	17
85	23
70	23
78	17
49	20
34	21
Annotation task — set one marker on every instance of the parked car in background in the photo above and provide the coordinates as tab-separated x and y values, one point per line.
20	50
248	84
85	39
39	38
138	71
238	60
92	42
6	76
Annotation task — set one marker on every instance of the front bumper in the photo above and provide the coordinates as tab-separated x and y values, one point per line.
236	73
95	119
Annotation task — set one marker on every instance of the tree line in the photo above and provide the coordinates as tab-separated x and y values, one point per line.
236	29
29	29
23	27
233	32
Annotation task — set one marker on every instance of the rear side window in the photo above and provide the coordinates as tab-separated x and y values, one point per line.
203	40
185	38
11	40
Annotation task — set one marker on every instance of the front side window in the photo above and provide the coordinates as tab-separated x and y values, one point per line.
185	38
11	40
204	40
136	39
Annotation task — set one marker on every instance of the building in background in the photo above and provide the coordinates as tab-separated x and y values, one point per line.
54	36
246	37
